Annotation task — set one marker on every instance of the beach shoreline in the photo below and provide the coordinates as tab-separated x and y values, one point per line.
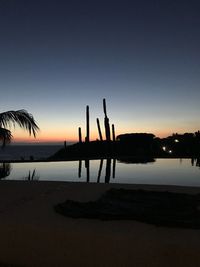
33	234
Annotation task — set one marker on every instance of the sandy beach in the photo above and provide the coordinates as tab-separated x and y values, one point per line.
33	234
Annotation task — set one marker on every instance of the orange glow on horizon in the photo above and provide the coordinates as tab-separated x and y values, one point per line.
71	135
61	138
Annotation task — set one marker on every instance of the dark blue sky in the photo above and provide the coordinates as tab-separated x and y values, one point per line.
142	56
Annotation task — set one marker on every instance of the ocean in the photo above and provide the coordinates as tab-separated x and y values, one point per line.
27	152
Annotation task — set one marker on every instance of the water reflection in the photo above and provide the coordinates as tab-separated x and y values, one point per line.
195	162
32	176
110	164
87	166
79	168
5	169
114	167
159	171
107	169
100	170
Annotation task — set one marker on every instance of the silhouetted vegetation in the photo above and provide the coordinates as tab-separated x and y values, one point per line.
142	146
24	119
136	144
182	145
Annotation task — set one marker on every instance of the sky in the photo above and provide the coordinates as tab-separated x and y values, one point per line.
143	56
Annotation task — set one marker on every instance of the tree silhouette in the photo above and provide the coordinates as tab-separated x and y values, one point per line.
20	117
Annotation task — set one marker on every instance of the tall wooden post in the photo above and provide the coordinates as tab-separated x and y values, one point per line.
99	130
106	122
87	139
113	132
79	135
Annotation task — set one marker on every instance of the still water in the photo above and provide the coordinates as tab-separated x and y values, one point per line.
183	172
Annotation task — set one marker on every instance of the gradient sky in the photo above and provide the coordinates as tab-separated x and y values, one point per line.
58	56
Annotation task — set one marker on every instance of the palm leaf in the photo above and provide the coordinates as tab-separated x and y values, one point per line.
5	136
21	117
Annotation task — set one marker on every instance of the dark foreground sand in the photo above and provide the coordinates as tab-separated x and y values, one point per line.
32	234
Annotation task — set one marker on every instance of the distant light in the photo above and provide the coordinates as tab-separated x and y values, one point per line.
170	151
176	140
164	148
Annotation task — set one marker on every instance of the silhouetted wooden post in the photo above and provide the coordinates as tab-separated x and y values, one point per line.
106	122
79	135
99	130
87	139
100	169
113	132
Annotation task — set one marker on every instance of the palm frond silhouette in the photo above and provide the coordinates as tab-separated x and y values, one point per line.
20	117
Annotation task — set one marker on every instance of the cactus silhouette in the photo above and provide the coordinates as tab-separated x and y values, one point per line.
113	132
99	130
106	122
87	138
79	135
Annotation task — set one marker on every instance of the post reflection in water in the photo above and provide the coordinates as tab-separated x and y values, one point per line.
100	169
32	176
79	168
110	167
198	162
107	170
195	162
87	166
114	167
